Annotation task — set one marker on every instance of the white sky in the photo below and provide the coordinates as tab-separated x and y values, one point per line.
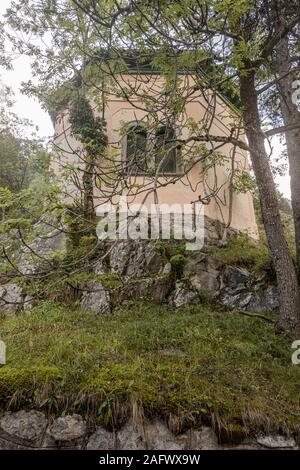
30	108
25	107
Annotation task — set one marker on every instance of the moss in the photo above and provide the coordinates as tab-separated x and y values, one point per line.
234	370
81	232
110	280
171	250
178	260
245	252
206	298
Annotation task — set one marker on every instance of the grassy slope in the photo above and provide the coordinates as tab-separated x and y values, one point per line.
234	371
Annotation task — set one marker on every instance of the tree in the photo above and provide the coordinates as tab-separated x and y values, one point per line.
286	75
22	158
221	44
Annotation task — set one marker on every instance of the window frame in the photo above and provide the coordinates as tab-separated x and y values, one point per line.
152	163
132	125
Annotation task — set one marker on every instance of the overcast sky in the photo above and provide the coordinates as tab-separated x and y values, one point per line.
24	107
30	108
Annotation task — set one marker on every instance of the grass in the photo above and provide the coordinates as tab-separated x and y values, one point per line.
195	364
243	251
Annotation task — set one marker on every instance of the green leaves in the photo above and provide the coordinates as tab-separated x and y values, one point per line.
89	129
6	197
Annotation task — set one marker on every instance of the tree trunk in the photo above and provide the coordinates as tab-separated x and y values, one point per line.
88	187
291	116
289	297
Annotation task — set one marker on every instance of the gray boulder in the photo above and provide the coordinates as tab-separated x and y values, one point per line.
204	439
100	267
129	437
237	301
42	248
159	437
102	440
11	299
68	428
276	442
203	271
26	425
119	257
144	260
154	289
96	298
183	295
266	300
236	277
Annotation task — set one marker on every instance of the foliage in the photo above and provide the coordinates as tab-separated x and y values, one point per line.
22	158
177	260
171	249
235	39
89	129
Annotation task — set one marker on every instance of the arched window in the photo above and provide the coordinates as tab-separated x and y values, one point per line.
136	149
165	150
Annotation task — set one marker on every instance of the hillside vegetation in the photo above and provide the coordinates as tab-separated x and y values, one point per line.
195	365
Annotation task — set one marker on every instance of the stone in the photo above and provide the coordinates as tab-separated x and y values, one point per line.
276	442
11	299
96	298
28	303
129	437
238	301
68	428
242	447
27	425
100	267
206	282
236	277
144	260
6	444
45	245
260	280
160	289
238	289
203	262
243	299
183	295
167	269
119	257
134	258
203	271
159	437
203	439
49	442
266	300
212	230
153	289
102	440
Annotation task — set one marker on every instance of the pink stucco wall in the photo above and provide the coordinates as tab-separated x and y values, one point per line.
189	187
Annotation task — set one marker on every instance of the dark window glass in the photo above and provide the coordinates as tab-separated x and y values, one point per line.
136	150
163	150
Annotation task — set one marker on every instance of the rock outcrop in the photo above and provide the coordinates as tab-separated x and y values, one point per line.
144	273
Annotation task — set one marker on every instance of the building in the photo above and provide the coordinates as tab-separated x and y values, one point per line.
152	157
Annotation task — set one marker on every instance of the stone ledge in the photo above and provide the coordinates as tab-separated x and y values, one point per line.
31	430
